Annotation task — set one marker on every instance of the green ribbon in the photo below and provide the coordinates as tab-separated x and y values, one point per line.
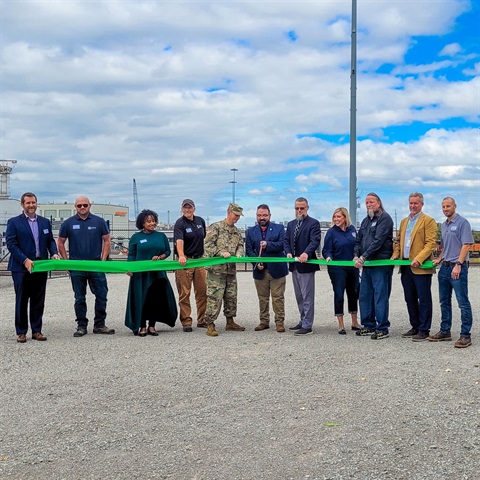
164	265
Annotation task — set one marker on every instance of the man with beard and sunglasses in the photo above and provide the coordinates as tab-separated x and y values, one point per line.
374	242
266	240
302	240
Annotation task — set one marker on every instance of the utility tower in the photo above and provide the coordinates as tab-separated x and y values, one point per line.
135	199
5	171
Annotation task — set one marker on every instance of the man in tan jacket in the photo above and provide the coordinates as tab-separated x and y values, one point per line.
416	242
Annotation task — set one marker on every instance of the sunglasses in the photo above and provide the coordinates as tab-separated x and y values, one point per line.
300	208
82	205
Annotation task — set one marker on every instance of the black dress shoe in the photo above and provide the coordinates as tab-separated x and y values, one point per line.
142	334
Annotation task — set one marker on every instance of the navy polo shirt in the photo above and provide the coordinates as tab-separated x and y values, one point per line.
84	236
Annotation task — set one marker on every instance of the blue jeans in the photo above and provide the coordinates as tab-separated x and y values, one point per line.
375	288
97	281
344	279
460	286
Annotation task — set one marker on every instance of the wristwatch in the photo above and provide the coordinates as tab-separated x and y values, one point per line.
459	263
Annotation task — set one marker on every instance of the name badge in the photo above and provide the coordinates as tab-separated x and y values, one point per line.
143	240
374	224
188	230
76	227
45	231
454	228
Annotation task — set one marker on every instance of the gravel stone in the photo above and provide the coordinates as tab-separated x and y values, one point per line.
246	405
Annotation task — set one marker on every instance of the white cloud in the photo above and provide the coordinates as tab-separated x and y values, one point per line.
450	50
176	94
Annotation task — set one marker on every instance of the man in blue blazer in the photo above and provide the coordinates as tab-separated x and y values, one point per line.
302	239
29	237
266	240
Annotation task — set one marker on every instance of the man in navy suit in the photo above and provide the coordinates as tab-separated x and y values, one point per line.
266	240
301	242
29	237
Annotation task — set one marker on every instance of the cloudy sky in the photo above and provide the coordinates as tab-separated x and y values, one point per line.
176	93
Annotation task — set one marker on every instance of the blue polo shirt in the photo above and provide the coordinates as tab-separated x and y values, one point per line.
455	234
84	236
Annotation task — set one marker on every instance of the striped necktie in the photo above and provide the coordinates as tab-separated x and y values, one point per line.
295	233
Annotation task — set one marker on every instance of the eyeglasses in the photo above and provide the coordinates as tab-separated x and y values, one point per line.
300	208
263	215
82	205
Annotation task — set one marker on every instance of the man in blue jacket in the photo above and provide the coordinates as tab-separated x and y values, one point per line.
29	237
301	242
374	242
266	240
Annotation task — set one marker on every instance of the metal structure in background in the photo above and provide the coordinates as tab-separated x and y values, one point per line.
135	199
5	172
234	170
353	204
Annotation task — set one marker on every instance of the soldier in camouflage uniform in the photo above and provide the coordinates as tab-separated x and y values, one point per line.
223	240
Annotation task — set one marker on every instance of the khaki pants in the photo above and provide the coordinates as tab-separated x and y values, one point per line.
184	279
276	288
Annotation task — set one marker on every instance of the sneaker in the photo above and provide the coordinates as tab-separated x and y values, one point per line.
463	342
412	332
298	326
104	330
303	331
379	336
80	332
420	337
440	337
364	332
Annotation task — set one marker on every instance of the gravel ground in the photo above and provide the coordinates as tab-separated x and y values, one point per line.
251	405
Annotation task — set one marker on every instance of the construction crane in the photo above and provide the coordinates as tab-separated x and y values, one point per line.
135	199
5	171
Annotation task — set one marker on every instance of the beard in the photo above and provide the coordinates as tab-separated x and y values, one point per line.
301	217
263	223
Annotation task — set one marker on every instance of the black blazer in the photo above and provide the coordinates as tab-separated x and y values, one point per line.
307	241
21	244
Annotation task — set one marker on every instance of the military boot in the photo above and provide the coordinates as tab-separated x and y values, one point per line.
231	325
211	332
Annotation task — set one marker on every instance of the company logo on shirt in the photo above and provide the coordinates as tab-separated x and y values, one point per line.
92	228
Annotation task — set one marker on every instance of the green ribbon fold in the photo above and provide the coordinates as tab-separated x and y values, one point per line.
164	265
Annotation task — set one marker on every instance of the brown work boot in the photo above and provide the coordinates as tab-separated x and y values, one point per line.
231	325
463	342
280	327
211	332
440	337
262	326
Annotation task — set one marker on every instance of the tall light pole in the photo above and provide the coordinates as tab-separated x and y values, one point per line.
353	119
233	183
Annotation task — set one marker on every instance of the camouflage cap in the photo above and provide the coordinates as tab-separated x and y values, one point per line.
236	209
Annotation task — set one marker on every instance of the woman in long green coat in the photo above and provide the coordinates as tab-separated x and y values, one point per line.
150	295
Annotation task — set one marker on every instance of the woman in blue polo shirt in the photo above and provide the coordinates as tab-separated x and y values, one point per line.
338	245
150	295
